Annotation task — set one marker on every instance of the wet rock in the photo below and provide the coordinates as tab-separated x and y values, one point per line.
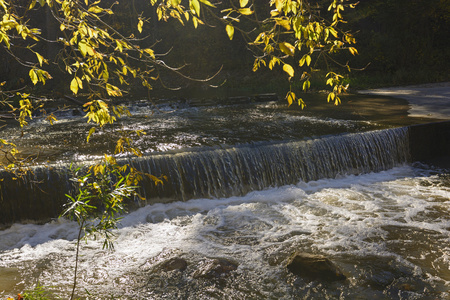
175	263
314	267
214	268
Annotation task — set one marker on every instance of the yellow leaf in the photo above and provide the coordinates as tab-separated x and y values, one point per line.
32	4
353	50
91	132
245	11
243	3
273	62
207	3
331	97
301	103
306	85
194	5
305	59
95	9
195	21
74	86
175	3
308	60
83	47
279	5
79	82
140	24
33	76
290	97
288	69
40	58
287	48
285	23
230	31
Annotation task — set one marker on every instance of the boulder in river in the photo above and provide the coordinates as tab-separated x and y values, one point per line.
214	268
314	267
175	263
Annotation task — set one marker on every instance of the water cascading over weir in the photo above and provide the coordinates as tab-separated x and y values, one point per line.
217	172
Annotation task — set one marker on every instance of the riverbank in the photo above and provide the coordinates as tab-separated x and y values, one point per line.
425	100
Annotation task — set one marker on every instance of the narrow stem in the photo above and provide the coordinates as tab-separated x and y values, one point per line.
76	260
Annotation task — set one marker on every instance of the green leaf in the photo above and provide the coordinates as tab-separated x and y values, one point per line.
288	69
230	31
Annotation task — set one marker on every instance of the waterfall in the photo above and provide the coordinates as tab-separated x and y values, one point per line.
218	172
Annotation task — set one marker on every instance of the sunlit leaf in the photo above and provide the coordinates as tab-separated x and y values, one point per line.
40	58
245	11
243	3
288	69
33	76
207	3
285	23
230	31
290	97
95	9
140	24
306	85
91	132
353	50
195	6
287	48
74	86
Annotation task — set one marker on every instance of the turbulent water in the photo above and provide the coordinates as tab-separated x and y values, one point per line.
389	232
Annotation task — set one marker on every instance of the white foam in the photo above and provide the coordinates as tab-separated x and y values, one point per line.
352	215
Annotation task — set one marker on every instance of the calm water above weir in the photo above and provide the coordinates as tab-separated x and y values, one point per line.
186	124
383	221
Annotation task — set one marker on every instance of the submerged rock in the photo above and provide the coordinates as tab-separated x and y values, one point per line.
175	263
314	267
214	268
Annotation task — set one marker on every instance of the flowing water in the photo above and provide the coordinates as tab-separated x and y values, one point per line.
258	183
389	232
180	125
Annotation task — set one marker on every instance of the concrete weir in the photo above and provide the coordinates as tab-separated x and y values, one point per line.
223	172
430	143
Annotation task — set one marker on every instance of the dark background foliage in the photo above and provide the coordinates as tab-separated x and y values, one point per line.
400	41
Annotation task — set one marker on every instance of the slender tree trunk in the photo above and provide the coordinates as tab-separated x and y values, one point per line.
76	260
